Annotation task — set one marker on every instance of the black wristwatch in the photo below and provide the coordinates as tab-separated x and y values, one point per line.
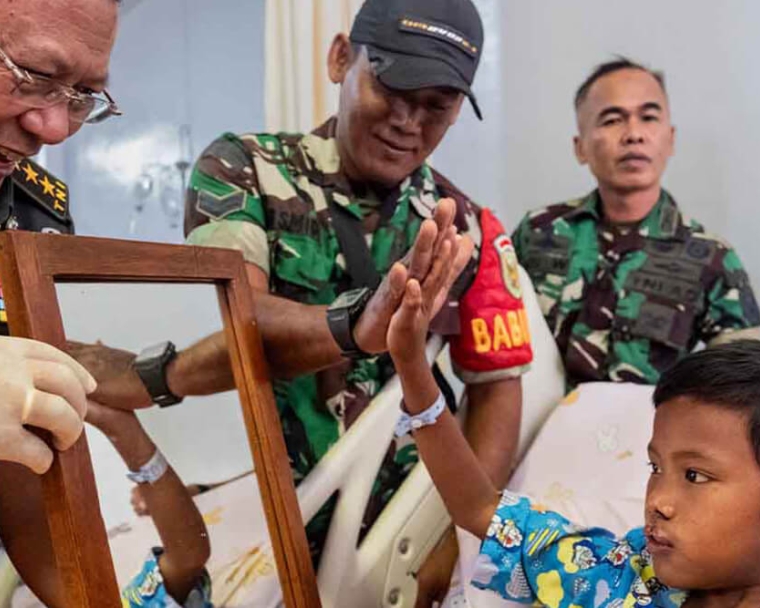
150	366
342	316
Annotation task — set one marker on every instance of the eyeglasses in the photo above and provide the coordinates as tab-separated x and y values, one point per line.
39	92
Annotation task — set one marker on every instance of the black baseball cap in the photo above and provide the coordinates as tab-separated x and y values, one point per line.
414	44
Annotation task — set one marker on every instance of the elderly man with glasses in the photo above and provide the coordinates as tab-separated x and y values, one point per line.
39	202
31	198
53	70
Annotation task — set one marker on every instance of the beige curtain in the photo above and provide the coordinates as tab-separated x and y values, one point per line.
298	93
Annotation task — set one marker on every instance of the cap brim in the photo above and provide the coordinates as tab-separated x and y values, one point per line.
410	72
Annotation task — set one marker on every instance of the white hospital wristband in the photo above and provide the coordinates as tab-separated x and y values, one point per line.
427	417
151	471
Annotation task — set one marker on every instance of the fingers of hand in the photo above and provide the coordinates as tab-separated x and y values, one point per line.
433	233
447	232
58	379
444	214
387	298
460	259
422	250
412	295
32	349
21	446
403	321
464	252
94	412
397	278
410	306
52	413
437	278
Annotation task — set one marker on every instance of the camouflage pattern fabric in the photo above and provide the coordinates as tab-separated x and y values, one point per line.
626	302
268	195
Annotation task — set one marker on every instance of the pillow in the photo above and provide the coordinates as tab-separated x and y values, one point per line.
588	462
589	459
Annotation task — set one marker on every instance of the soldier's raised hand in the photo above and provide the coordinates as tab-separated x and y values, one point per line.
42	387
427	253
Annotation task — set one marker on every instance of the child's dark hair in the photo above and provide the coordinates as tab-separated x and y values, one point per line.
728	374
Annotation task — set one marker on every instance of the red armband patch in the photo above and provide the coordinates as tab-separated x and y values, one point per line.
494	324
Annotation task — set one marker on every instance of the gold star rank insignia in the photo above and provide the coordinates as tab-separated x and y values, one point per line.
43	187
47	186
31	174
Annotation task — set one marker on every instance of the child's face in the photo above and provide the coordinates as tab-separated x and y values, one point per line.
703	498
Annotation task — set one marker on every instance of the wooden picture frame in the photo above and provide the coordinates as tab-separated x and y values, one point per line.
30	266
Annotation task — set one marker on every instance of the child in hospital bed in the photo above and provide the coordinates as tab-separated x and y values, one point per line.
700	546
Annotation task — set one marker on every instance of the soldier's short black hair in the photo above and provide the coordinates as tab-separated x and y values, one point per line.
619	63
726	375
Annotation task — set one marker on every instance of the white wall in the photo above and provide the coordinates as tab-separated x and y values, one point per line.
539	51
472	153
176	62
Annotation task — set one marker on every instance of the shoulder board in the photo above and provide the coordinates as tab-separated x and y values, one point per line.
43	188
712	237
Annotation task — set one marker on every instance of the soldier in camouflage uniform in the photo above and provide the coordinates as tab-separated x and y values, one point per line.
270	196
289	181
626	282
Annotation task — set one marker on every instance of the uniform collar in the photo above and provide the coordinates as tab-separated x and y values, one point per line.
319	159
662	222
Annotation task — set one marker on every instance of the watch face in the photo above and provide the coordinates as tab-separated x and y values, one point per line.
152	352
348	298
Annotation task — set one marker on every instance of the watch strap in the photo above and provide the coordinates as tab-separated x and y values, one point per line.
341	328
151	369
342	320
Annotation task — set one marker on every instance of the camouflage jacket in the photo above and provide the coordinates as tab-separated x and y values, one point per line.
624	303
268	196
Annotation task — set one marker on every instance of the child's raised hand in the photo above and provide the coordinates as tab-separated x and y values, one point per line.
408	327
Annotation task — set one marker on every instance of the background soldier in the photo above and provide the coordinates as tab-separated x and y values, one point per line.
626	282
